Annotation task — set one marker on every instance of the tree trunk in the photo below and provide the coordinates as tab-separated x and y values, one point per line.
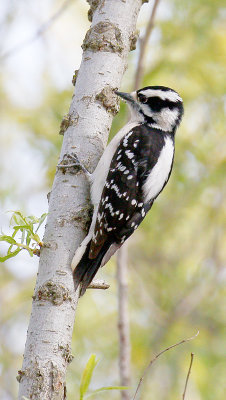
106	47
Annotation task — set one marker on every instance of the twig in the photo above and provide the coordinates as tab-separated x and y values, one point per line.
123	320
42	29
143	46
157	356
188	374
67	165
98	285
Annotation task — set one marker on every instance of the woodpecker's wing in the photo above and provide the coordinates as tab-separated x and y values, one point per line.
122	207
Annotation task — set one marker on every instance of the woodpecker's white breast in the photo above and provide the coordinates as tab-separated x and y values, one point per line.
160	172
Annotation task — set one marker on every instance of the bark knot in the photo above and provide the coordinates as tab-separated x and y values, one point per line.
58	384
104	36
68	120
36	375
66	353
74	78
133	40
93	6
108	99
53	292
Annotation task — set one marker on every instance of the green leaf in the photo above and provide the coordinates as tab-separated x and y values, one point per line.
12	254
10	249
32	219
36	238
103	389
41	220
18	218
22	228
87	375
28	239
8	239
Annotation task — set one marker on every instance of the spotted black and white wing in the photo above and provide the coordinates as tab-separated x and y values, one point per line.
123	207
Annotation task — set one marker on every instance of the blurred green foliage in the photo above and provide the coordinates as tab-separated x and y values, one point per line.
177	257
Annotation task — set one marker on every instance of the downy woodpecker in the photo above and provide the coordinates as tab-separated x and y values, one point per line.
133	170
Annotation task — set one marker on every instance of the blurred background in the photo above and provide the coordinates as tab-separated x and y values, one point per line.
176	258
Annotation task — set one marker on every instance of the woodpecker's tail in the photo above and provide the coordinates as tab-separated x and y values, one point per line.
87	268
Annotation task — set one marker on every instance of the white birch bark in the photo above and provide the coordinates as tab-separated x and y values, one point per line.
106	47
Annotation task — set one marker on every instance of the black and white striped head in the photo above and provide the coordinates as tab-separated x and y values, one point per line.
159	106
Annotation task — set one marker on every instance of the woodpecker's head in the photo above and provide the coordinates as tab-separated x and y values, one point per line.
159	106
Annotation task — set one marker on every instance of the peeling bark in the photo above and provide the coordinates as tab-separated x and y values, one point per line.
85	128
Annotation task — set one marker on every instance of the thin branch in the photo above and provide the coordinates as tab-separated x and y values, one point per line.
188	374
157	356
42	29
143	46
98	285
123	320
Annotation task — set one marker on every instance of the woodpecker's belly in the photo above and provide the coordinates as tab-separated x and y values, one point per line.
160	172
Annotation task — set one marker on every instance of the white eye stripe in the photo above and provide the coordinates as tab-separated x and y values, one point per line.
164	95
164	119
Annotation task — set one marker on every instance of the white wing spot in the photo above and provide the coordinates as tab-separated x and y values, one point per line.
123	239
129	154
116	189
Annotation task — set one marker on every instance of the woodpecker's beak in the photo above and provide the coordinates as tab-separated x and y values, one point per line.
126	96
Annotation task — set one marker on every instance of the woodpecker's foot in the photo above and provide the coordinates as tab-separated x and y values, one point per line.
72	161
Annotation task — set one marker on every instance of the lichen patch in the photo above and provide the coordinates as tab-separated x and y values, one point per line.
53	292
104	36
68	120
108	99
133	40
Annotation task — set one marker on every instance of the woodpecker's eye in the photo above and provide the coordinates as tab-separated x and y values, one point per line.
142	98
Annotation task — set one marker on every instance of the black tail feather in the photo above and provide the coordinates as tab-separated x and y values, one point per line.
87	268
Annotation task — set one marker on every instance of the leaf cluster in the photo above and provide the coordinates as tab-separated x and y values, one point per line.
24	235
